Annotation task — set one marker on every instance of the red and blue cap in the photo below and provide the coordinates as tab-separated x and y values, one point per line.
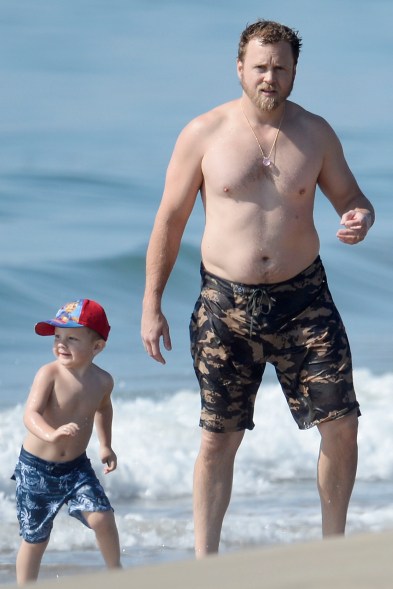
79	313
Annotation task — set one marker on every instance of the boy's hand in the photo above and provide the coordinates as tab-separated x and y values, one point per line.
68	429
109	458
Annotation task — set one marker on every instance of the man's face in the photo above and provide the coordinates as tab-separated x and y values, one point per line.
267	73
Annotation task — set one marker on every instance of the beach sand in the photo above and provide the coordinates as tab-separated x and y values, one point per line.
362	561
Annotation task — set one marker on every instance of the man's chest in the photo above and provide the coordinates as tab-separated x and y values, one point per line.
236	168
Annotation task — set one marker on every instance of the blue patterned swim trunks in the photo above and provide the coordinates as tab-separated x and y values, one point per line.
43	487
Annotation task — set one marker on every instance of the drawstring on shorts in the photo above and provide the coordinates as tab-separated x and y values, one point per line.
259	303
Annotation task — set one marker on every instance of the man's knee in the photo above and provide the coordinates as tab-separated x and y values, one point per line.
220	446
341	431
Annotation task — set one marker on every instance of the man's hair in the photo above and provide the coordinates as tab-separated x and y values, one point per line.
269	32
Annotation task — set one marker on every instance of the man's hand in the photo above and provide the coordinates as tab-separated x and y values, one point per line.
356	223
155	326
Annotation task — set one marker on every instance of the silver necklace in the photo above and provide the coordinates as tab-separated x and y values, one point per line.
265	158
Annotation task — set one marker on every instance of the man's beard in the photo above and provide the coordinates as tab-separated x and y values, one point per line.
265	103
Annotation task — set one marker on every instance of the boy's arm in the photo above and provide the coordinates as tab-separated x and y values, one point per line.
103	423
36	404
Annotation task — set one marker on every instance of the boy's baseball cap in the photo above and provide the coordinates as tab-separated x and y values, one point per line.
79	313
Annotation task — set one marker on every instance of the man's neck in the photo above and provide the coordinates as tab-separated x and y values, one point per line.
258	116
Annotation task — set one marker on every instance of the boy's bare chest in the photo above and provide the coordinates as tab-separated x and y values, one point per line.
80	401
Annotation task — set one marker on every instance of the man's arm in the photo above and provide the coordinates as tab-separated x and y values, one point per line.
339	185
183	181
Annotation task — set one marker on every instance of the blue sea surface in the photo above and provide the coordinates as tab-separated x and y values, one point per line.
93	96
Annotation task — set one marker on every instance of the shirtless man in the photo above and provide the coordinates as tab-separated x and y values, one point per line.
256	162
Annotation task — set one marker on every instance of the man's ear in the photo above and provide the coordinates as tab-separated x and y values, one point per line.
239	67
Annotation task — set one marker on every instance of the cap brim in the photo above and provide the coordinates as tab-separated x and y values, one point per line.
48	327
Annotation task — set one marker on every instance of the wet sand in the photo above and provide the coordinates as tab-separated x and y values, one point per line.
361	561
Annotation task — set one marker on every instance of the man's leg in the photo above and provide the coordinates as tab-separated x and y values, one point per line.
28	561
213	475
336	471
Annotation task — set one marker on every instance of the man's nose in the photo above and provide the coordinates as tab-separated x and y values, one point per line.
269	76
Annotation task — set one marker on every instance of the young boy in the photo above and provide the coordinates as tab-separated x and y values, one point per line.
67	398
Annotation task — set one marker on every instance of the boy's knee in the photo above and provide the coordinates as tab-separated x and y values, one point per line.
99	521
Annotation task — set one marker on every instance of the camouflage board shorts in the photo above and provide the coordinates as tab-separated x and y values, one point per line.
237	328
43	487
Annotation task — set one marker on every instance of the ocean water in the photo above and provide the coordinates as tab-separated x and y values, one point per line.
93	97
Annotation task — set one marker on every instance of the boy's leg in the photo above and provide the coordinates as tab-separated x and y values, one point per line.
28	561
104	525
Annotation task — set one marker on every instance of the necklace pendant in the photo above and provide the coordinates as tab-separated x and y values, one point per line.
266	162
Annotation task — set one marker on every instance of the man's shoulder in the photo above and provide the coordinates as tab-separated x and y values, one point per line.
301	114
213	118
306	121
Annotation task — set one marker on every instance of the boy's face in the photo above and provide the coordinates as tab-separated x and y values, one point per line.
76	346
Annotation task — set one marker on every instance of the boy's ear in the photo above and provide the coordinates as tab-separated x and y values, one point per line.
99	345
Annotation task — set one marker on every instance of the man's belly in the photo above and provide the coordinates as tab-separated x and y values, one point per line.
248	264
